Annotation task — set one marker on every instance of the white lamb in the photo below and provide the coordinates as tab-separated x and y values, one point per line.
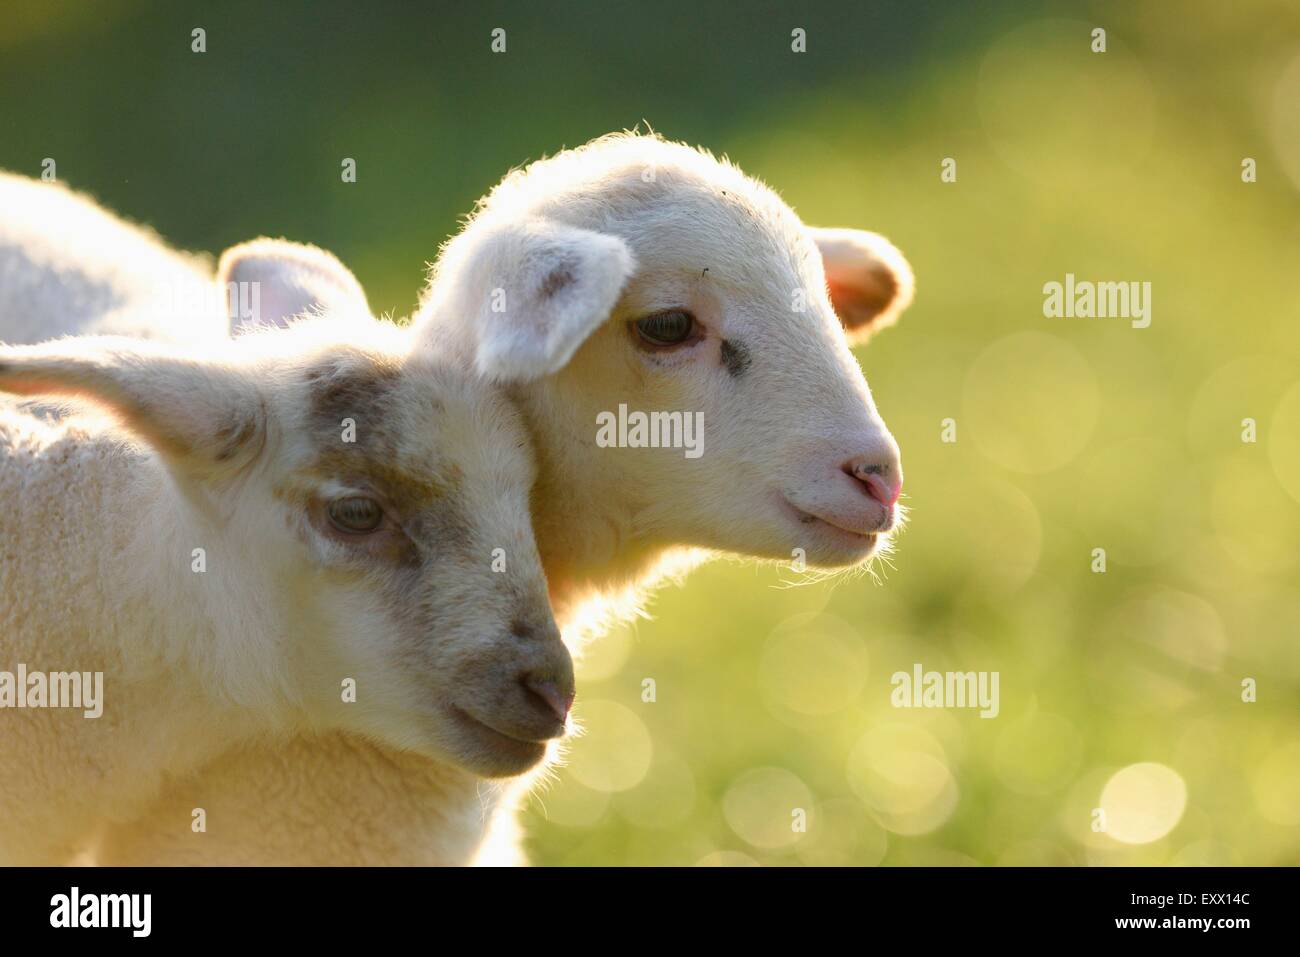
292	536
630	271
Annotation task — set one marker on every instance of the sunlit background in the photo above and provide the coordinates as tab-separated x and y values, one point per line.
1120	691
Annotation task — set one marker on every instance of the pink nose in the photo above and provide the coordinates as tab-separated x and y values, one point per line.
884	480
557	699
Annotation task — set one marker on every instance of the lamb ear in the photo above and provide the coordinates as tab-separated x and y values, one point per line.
527	295
869	281
274	280
203	417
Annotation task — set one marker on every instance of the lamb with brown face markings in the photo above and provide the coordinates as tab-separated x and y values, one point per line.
409	517
369	559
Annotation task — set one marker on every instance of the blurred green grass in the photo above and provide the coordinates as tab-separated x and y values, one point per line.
1071	434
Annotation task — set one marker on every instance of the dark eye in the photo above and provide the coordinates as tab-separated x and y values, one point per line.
669	328
355	514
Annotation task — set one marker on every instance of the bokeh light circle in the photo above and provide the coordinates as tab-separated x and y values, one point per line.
984	516
600	660
1179	624
1143	802
901	772
1031	402
843	834
614	752
1245	388
812	664
760	807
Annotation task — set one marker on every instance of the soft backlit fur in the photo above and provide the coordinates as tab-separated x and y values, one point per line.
69	267
670	226
573	248
239	452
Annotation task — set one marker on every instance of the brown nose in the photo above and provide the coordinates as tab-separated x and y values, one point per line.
882	476
554	692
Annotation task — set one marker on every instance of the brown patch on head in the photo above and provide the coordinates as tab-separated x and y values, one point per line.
364	389
424	515
352	385
558	279
409	488
418	489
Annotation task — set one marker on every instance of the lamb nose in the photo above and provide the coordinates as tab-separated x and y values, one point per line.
884	480
558	700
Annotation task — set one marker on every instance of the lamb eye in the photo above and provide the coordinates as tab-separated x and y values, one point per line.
669	328
355	514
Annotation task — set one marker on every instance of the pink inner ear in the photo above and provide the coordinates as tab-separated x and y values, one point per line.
858	303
